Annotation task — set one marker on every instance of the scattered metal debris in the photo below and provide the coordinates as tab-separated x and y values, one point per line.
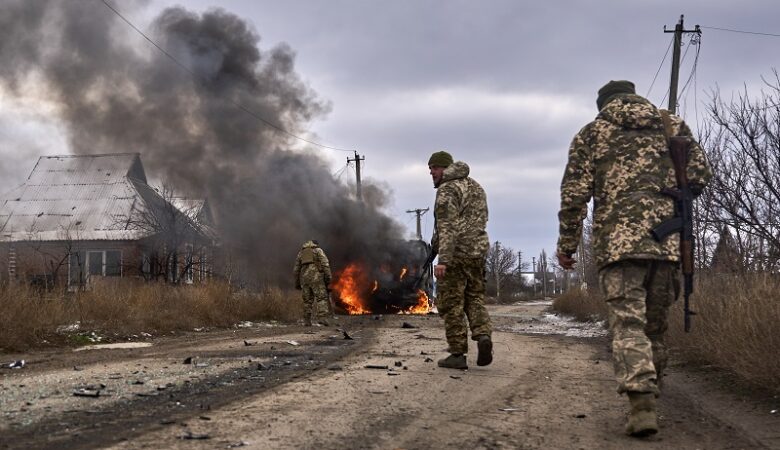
187	360
86	393
293	343
428	359
261	366
455	377
376	366
347	337
335	367
407	325
399	364
509	409
16	364
247	344
195	436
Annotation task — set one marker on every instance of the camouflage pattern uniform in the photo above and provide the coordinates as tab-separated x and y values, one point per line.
621	161
462	243
312	276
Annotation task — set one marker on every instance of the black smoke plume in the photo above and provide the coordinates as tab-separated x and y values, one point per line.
114	92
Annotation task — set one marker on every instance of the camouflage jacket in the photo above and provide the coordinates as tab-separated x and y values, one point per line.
460	215
621	160
311	265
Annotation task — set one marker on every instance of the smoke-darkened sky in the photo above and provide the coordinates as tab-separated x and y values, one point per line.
503	85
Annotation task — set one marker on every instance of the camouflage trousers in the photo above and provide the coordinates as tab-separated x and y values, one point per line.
315	301
461	296
639	294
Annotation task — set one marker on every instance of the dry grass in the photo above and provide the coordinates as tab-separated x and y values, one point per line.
737	328
583	305
27	317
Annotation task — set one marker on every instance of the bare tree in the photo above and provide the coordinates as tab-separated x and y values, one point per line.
500	264
742	139
176	243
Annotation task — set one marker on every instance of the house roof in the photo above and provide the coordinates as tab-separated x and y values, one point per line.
84	197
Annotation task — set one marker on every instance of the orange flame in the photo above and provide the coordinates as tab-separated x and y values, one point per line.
403	273
347	286
422	306
352	285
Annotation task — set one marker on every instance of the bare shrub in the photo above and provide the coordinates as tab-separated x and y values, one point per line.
584	305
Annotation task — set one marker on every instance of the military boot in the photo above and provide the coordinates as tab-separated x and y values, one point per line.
454	361
642	420
485	347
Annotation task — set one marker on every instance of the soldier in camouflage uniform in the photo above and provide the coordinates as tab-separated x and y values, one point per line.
461	241
621	161
312	276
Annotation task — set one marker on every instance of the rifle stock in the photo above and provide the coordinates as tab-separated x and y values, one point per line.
683	221
426	266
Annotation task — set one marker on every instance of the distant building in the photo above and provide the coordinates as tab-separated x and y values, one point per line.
80	218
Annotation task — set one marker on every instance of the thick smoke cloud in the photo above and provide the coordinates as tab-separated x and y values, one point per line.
115	93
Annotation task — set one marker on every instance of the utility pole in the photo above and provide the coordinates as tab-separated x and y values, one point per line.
419	212
356	160
678	32
533	258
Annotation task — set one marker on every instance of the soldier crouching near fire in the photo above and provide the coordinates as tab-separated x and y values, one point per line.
461	241
621	160
312	276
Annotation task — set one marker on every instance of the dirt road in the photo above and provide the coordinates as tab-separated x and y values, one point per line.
289	387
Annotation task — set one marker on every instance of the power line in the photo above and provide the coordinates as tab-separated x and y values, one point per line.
742	31
659	67
202	81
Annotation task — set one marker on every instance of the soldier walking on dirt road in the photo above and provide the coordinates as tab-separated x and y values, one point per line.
461	241
312	276
621	161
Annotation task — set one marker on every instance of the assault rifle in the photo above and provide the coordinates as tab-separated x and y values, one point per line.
425	268
683	218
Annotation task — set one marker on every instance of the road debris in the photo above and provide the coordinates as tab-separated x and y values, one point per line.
247	344
335	367
428	359
261	366
86	393
509	409
293	343
399	364
376	366
16	364
187	360
407	325
195	436
347	337
455	377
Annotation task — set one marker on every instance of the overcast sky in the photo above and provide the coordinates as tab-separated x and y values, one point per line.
502	85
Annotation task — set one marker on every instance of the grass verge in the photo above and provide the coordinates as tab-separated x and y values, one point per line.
28	318
736	328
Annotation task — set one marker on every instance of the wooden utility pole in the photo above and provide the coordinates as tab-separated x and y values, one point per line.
419	212
359	187
533	258
678	32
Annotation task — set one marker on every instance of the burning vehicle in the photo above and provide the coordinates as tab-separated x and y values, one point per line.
401	283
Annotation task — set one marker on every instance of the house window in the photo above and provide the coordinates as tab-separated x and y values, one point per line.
107	263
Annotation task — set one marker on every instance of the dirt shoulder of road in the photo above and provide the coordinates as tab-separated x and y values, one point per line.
380	390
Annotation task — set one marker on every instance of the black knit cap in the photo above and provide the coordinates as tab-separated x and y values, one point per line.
440	159
613	88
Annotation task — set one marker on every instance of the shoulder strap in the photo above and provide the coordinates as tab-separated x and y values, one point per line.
666	118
